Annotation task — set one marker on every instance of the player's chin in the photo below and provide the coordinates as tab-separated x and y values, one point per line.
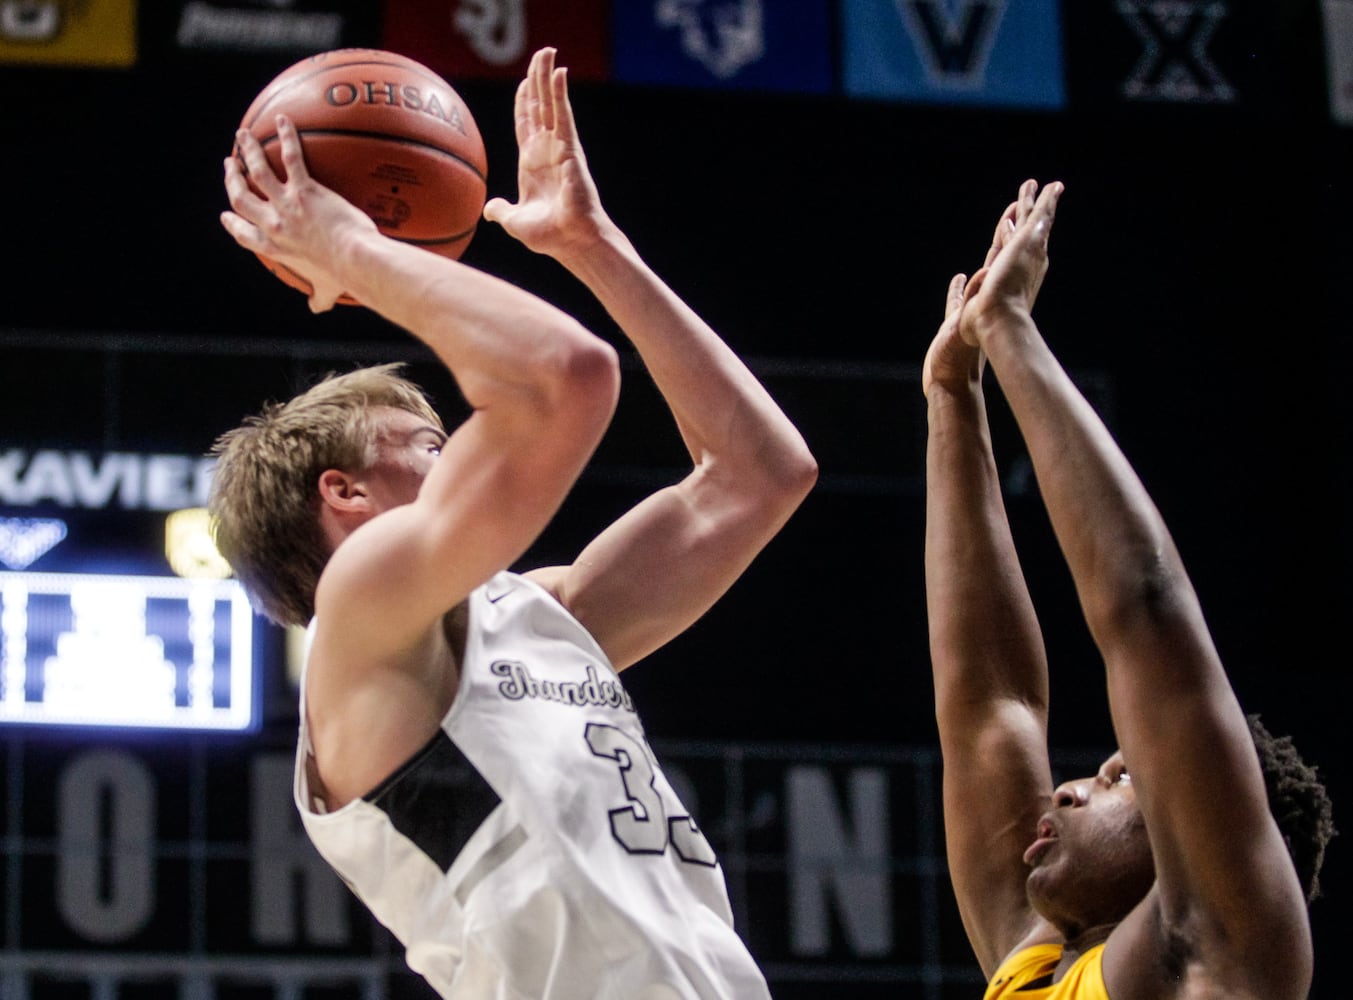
1041	884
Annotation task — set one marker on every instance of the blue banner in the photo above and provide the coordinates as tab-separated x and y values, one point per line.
982	52
774	45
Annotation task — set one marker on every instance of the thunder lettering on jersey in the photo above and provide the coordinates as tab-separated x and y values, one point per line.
520	684
534	848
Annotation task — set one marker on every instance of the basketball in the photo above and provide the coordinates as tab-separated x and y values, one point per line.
390	136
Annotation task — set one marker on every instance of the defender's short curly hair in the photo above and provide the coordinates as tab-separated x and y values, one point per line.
264	495
1298	801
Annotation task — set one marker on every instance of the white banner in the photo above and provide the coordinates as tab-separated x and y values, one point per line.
1339	58
122	480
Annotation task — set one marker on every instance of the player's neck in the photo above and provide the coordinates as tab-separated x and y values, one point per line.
1078	944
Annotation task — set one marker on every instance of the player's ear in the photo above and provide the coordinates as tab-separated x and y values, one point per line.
342	491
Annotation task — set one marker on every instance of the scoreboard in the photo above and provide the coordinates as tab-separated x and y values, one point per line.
82	649
115	609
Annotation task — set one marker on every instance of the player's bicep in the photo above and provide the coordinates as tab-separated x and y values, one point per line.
1198	783
663	564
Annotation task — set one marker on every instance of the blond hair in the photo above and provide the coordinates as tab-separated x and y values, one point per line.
265	488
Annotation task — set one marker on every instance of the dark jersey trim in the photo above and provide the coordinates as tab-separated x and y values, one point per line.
438	800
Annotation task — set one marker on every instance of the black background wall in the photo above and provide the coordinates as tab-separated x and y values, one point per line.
1199	287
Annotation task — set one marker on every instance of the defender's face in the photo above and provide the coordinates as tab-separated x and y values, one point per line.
1091	857
406	448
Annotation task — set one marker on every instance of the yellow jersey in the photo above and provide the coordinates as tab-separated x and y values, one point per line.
1027	975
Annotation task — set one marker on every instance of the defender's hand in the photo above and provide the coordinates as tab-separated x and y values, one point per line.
1016	263
950	362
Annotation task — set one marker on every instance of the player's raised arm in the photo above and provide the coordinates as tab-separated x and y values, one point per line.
990	674
542	391
662	565
1226	906
467	760
542	388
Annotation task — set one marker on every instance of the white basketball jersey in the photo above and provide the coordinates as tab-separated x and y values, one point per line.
533	850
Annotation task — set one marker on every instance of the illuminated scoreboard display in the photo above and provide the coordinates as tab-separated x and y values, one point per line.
115	609
139	651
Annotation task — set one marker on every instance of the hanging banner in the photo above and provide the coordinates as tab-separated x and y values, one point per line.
264	29
94	33
1176	61
494	39
983	52
1204	53
1339	58
783	45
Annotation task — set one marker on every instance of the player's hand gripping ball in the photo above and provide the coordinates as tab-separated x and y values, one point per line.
390	136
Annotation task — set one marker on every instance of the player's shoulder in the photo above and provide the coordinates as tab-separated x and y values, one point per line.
1154	958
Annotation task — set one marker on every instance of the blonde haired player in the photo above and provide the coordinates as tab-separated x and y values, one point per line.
469	761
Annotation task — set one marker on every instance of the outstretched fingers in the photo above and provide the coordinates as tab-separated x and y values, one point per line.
253	187
241	231
1025	201
293	157
953	300
1026	220
975	284
521	111
241	196
563	107
245	205
257	169
1044	211
949	360
540	96
1004	228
